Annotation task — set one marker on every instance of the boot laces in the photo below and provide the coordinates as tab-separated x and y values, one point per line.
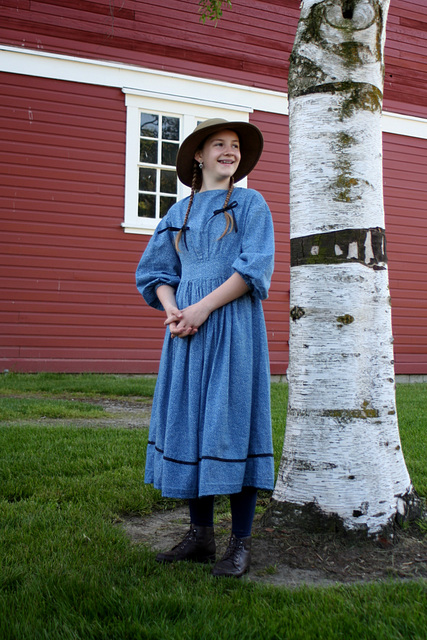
234	546
190	536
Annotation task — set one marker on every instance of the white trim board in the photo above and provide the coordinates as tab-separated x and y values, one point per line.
404	125
138	80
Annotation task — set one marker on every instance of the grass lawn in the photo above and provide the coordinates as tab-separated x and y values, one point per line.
67	571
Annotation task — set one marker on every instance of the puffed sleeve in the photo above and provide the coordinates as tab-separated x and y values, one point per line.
159	265
256	261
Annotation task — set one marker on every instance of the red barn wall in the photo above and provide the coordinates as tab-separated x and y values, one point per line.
68	300
271	178
68	296
66	264
405	82
250	45
405	199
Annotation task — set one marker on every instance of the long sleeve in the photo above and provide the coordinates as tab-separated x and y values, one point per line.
256	261
159	265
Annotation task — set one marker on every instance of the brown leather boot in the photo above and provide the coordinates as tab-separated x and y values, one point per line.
236	560
198	545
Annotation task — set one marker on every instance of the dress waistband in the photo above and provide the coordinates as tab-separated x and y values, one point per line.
206	270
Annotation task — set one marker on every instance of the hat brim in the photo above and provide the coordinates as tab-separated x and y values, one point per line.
251	145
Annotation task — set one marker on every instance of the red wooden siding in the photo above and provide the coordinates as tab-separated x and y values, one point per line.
250	45
405	194
253	40
405	89
68	300
271	178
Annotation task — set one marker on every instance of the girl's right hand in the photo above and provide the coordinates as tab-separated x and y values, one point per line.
174	318
166	295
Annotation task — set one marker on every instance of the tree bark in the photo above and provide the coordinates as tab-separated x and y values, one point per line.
342	462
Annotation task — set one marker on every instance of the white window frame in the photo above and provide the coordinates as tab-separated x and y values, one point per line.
190	111
157	168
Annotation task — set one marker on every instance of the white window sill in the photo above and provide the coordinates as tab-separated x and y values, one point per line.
143	230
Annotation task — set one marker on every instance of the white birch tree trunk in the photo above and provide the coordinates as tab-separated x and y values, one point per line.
342	458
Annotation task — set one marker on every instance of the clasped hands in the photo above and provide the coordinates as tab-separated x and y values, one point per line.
186	322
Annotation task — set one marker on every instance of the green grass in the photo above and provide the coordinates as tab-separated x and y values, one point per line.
79	384
99	469
34	408
412	412
67	571
279	404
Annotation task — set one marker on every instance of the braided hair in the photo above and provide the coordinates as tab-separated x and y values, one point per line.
229	219
196	181
196	184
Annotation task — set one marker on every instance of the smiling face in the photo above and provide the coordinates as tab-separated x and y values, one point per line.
220	155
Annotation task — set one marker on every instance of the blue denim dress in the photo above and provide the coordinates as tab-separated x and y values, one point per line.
210	429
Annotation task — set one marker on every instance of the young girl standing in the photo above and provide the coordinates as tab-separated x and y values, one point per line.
208	266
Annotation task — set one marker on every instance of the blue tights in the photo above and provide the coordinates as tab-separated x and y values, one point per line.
242	511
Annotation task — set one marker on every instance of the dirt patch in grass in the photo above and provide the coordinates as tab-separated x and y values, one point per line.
285	556
280	556
127	414
293	558
132	413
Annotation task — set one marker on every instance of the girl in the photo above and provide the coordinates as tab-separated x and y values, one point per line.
208	266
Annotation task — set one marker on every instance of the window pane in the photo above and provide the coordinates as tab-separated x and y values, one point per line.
147	179
157	178
170	128
169	152
165	204
148	151
146	206
168	181
149	125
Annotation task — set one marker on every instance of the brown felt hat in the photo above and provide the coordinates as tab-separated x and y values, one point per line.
251	144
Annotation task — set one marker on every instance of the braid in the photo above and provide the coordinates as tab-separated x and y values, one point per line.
195	180
229	220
